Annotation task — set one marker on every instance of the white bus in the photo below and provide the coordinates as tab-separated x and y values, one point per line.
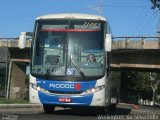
70	62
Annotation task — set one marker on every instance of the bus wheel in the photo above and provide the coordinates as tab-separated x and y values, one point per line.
105	110
112	108
102	110
49	108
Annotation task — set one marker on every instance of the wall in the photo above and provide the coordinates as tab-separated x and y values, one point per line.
17	81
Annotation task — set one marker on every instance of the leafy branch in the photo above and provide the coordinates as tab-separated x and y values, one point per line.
156	4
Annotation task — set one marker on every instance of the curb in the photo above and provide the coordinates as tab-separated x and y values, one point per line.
21	105
125	105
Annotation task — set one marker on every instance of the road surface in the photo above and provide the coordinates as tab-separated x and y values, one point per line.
123	111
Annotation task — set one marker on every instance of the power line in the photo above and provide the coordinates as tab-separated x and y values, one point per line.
125	6
56	11
146	24
16	17
149	27
101	6
142	26
138	19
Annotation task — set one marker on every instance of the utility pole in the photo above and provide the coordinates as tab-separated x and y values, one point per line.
100	7
158	28
154	81
156	7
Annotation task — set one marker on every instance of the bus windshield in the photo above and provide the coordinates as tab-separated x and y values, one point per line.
72	48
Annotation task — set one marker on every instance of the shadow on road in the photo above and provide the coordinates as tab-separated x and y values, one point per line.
120	111
90	112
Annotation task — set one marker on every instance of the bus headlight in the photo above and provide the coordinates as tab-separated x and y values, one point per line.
94	90
36	87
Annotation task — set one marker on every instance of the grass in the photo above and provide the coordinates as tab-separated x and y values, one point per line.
4	101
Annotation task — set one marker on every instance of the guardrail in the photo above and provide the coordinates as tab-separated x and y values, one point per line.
136	42
125	42
13	42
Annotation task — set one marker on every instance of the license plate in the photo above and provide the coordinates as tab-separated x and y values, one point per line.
66	100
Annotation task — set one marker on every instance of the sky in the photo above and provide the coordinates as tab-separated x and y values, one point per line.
126	17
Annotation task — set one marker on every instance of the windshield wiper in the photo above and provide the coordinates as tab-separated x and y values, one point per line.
78	69
51	68
48	73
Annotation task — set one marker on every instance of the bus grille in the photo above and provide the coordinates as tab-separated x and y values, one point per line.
65	92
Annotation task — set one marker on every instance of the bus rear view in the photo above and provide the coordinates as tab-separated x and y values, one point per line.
69	62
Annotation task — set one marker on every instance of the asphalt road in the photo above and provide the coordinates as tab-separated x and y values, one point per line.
123	112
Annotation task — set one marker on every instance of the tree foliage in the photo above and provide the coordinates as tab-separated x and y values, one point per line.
156	4
154	80
139	83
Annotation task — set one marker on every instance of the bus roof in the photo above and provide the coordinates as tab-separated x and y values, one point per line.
71	16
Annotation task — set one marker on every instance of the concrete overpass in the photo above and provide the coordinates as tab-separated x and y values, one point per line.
135	53
127	52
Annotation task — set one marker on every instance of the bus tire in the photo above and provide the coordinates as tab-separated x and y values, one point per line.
102	110
49	108
112	108
105	110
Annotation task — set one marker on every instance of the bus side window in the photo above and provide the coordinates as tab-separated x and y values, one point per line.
108	63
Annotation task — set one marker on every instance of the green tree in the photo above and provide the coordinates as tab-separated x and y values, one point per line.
154	82
137	83
156	4
141	84
145	84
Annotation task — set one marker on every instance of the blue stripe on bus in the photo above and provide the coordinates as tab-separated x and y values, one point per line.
66	86
84	100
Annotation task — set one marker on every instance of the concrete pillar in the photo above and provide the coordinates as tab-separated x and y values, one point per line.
17	82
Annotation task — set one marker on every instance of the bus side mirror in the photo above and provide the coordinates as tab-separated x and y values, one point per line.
22	40
108	42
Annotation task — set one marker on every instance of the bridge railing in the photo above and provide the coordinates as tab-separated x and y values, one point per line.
118	42
13	42
136	43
